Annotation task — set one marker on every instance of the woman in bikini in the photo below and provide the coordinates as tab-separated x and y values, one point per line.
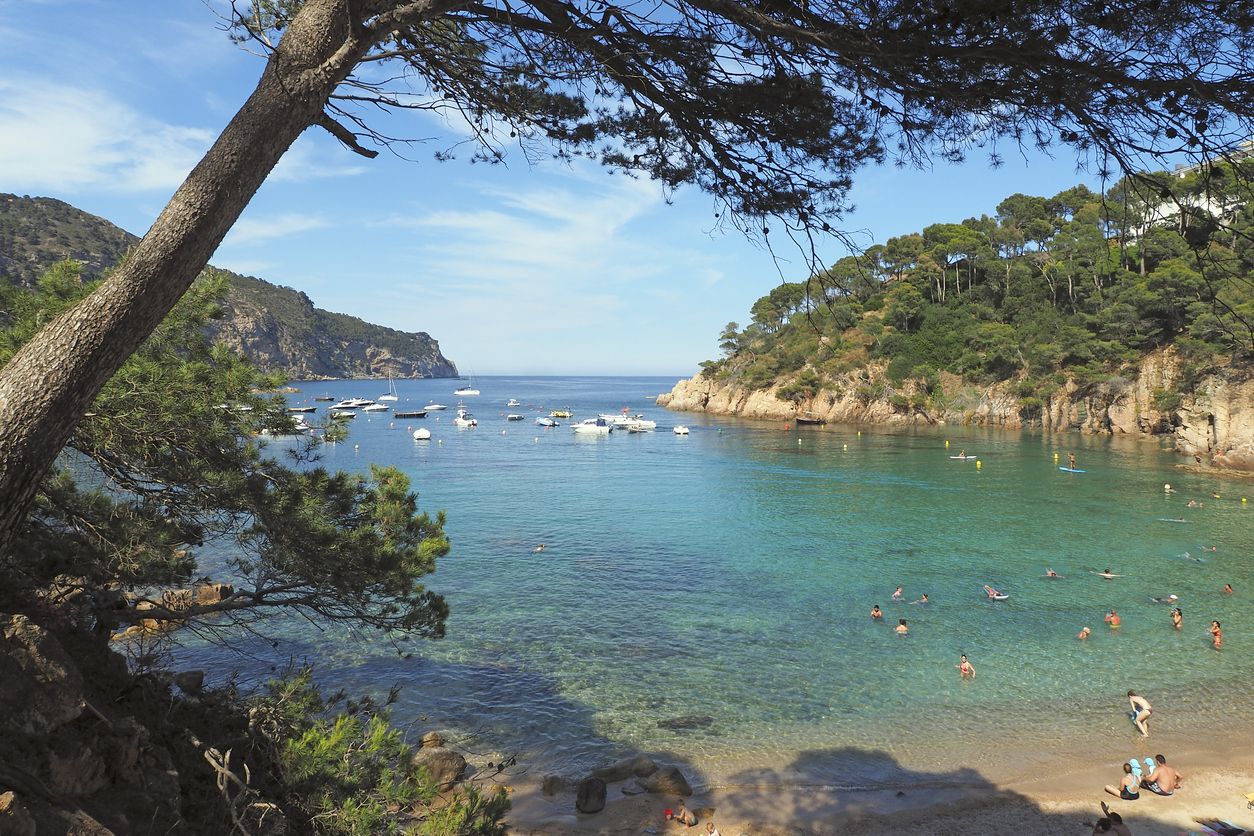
1127	789
1177	618
1217	634
966	668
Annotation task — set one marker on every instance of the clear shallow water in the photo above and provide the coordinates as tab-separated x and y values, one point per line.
724	580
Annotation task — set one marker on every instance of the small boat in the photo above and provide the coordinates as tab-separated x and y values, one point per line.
422	434
513	402
343	414
465	419
413	413
680	430
547	422
513	417
391	393
638	428
561	413
352	403
376	407
434	407
465	390
592	426
302	409
324	398
810	418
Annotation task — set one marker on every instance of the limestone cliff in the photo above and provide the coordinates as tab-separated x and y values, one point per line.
278	328
1213	423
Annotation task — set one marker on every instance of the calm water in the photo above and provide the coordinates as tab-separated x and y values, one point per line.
723	580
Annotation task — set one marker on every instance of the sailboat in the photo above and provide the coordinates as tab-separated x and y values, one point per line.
391	393
467	390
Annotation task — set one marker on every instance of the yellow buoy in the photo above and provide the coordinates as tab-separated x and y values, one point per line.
1055	457
978	464
947	444
859	433
844	446
1242	500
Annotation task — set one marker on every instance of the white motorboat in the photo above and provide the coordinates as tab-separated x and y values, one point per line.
639	428
434	407
376	407
343	413
465	419
513	402
391	393
680	430
513	417
352	403
592	426
422	434
547	422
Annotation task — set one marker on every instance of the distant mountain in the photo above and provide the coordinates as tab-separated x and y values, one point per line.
278	328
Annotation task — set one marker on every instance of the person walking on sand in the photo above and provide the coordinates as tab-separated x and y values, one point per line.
1141	710
1217	635
1177	618
966	668
1127	789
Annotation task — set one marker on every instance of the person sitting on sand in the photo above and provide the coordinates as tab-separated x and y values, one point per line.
1113	619
711	830
876	612
1217	635
1127	789
901	628
966	668
1084	634
1165	780
898	594
682	814
992	593
1177	618
1116	822
1141	711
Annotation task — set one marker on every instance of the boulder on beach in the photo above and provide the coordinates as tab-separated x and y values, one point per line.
668	780
590	796
445	766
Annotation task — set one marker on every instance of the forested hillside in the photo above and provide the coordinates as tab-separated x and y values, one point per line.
1075	288
278	328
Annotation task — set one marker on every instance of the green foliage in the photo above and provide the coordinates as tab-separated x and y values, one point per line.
1072	286
1166	400
349	773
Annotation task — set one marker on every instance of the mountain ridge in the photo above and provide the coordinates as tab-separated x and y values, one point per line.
276	327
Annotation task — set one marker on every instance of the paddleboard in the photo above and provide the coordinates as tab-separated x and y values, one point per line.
1108	577
1071	470
1169	519
962	458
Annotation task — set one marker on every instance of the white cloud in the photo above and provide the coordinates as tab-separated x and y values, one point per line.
63	139
257	230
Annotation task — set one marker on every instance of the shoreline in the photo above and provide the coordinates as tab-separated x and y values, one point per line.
1057	795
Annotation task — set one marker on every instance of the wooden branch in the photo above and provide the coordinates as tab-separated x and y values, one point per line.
345	136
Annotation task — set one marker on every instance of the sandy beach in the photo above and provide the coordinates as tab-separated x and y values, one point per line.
1058	798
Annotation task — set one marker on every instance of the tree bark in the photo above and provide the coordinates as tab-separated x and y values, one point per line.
52	381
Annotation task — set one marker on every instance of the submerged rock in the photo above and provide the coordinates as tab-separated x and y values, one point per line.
590	796
551	785
687	721
668	780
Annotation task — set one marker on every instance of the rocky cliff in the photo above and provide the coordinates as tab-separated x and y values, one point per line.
278	328
1213	423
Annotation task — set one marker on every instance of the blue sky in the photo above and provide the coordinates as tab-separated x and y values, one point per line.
526	269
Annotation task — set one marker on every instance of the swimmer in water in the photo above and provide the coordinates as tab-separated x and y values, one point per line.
1177	618
1107	574
538	549
876	612
1211	549
1084	633
922	600
1217	635
898	594
966	668
992	593
1050	573
1227	589
1113	619
901	628
1168	599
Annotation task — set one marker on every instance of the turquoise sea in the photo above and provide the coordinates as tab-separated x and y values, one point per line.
707	596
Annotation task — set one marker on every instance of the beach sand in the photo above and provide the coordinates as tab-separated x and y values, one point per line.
1056	799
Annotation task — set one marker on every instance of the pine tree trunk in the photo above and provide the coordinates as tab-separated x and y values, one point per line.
52	381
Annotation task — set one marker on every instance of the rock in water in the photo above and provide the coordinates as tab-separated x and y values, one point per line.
590	796
552	785
432	740
444	765
190	682
643	765
669	781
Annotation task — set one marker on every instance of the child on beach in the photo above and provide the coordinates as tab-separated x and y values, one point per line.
682	814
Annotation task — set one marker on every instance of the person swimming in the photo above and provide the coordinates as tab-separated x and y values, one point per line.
538	549
1227	589
993	593
1165	599
922	600
1084	633
1217	635
966	668
1050	573
901	628
876	612
1177	618
1113	619
1106	574
898	594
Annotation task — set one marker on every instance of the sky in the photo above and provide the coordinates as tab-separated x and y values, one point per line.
520	268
